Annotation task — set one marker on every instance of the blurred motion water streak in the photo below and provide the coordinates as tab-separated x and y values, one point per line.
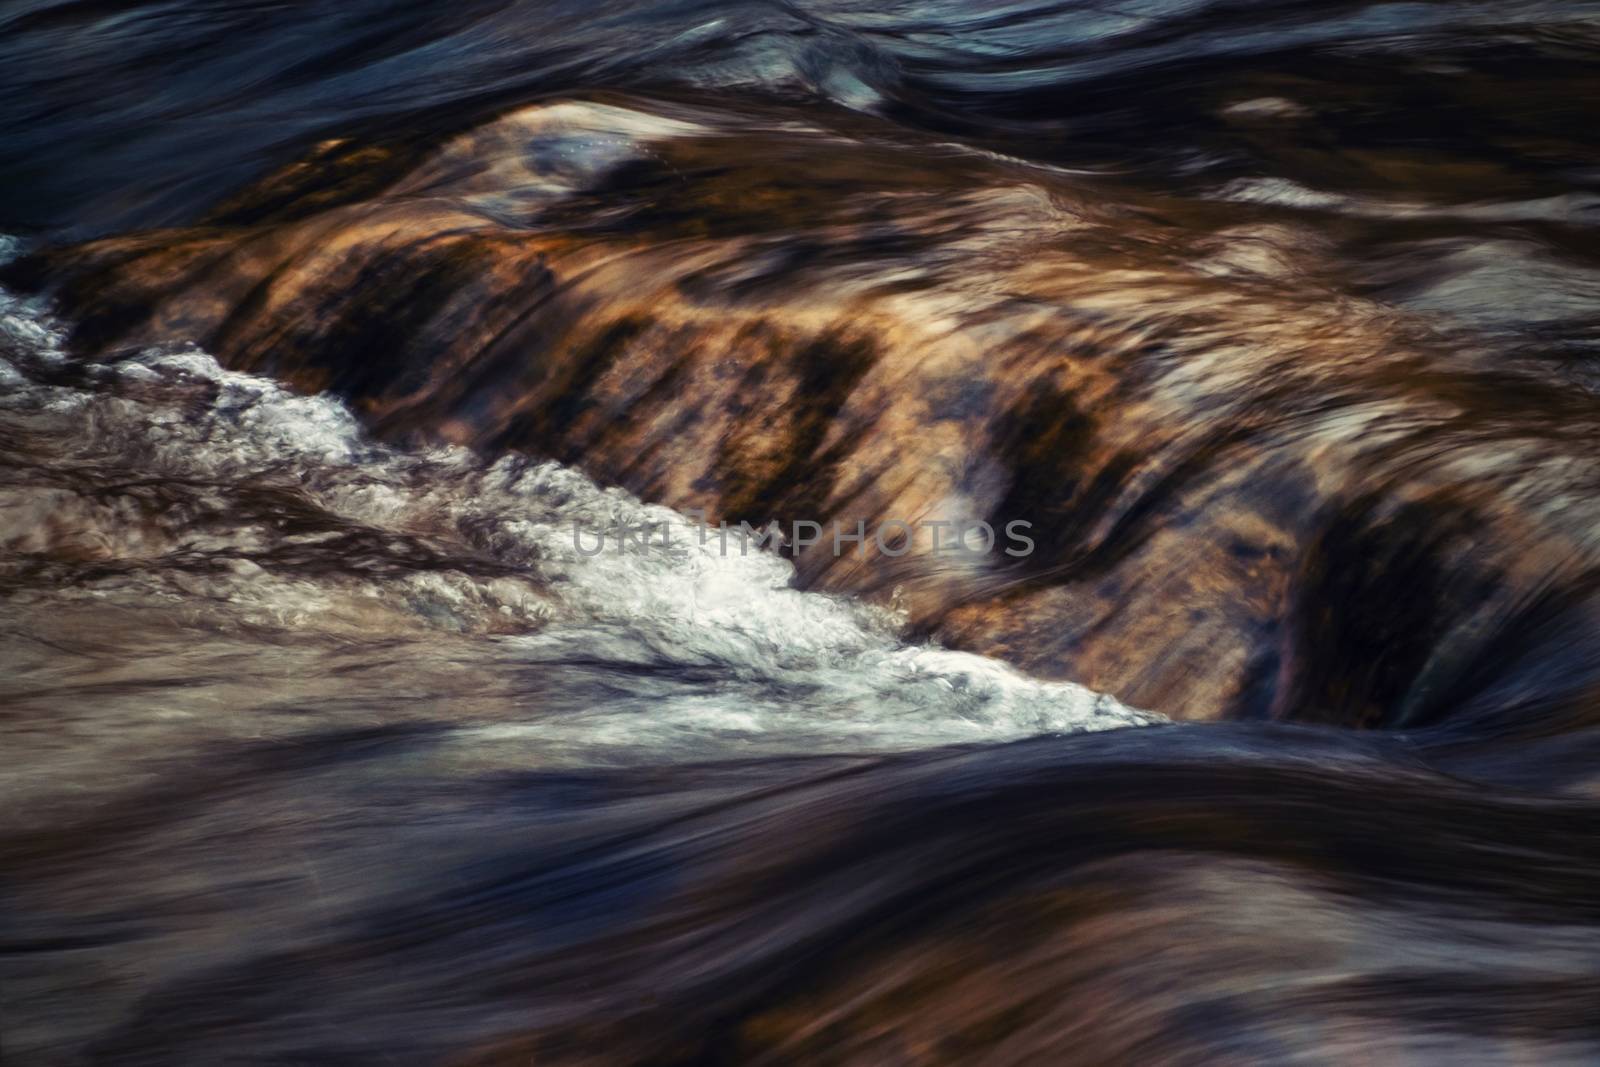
332	334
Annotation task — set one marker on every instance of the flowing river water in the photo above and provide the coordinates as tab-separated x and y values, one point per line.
339	344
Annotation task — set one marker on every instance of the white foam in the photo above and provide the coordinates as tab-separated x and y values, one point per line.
688	639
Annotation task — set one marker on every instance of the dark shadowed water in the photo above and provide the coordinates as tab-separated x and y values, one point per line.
332	333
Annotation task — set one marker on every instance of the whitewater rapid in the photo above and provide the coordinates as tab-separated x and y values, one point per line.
222	555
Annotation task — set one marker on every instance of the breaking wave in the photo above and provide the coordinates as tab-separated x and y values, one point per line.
159	492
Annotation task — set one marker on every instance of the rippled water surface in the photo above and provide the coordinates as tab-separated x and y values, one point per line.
331	334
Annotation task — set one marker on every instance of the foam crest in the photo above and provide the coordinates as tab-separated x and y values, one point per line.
246	509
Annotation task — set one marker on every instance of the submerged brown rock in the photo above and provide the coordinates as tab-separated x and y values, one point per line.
1229	461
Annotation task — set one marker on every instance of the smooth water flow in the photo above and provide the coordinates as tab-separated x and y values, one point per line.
385	679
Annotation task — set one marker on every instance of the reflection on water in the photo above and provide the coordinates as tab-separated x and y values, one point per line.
325	742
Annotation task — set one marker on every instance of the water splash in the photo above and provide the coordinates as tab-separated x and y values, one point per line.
240	524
